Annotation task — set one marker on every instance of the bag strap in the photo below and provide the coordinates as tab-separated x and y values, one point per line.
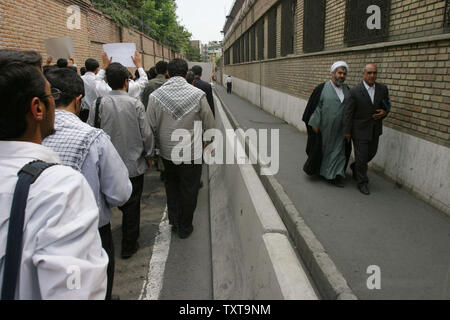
13	255
97	111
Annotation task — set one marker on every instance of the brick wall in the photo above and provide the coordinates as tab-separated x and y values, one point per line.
24	25
417	73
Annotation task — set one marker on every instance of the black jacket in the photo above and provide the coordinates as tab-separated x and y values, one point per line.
206	87
358	121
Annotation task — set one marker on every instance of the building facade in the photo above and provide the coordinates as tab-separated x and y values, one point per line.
24	25
278	50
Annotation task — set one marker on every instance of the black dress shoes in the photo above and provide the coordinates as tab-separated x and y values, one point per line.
338	182
364	189
185	233
127	253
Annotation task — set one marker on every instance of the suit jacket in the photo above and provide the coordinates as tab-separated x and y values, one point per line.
206	87
358	121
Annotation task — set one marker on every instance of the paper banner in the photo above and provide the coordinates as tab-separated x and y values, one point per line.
121	52
59	47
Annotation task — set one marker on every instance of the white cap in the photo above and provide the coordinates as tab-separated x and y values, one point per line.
339	64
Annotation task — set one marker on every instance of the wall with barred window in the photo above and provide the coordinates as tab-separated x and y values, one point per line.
413	61
411	50
24	25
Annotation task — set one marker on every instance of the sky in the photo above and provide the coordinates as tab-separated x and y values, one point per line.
204	18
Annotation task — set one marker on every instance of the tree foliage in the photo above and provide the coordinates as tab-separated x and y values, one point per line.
155	18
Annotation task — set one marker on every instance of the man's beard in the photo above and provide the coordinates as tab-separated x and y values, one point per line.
338	82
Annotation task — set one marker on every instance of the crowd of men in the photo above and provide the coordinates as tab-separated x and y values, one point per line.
336	115
73	148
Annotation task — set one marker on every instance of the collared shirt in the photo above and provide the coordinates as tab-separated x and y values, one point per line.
103	168
134	89
123	119
339	91
370	90
164	127
61	228
229	80
90	83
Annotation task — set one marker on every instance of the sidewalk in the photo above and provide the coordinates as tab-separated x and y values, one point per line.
408	239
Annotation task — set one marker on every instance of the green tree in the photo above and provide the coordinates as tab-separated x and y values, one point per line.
155	18
193	53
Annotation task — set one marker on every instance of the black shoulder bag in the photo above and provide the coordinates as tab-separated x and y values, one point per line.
13	255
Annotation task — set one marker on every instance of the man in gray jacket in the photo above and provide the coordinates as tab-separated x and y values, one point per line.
123	119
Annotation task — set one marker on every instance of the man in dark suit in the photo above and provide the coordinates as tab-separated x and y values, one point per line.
204	86
367	106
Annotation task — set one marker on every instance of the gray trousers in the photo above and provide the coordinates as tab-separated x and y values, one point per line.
365	151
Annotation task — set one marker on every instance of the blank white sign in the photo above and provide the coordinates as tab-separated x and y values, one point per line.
121	52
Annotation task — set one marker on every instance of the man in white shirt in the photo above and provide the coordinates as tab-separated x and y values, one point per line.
134	87
62	256
229	84
90	82
89	151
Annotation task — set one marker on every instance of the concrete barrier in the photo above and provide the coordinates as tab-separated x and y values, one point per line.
329	281
252	256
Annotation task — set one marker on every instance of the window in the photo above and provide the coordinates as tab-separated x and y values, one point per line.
247	46
242	47
252	44
366	21
447	15
314	25
272	36
260	36
288	26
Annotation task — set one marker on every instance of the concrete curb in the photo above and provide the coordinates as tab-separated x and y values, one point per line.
328	279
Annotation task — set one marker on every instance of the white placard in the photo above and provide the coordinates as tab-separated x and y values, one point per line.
121	52
59	47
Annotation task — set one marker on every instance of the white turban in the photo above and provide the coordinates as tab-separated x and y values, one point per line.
339	64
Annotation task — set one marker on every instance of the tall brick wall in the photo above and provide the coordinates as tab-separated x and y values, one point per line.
417	73
24	25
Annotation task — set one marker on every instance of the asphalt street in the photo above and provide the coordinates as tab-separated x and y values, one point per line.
172	269
405	237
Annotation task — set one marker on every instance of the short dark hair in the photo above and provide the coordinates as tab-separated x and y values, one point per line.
62	63
68	82
197	70
151	73
190	77
91	65
178	68
28	57
161	67
116	74
83	71
19	84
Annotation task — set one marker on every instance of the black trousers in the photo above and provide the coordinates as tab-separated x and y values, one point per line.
182	184
365	151
108	245
131	217
229	87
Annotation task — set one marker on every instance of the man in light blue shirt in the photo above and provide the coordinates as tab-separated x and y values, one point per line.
89	151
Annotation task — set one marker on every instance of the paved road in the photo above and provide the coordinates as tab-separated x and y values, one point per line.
408	239
181	269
